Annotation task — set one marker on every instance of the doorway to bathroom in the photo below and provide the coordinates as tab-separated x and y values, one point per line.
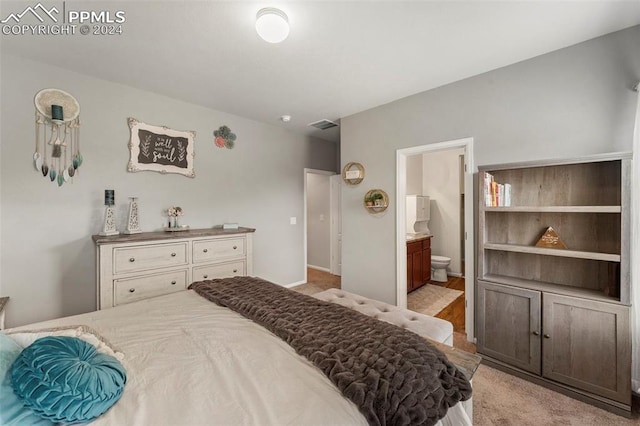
440	176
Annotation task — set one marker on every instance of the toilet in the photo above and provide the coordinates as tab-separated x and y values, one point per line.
439	266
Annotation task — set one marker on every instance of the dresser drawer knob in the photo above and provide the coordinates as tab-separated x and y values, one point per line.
132	259
173	255
205	250
131	290
173	282
235	270
205	277
546	336
235	247
535	333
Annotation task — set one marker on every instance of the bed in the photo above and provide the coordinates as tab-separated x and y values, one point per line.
192	362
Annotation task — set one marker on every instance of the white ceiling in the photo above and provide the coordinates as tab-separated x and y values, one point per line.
340	57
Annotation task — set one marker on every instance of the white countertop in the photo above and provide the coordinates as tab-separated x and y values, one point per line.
415	237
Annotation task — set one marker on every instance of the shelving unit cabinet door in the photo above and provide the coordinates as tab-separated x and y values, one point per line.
509	325
587	345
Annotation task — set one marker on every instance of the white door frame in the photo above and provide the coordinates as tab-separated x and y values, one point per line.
304	214
335	216
401	218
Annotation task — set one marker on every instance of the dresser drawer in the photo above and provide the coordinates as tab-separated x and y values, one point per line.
132	289
222	270
149	257
211	250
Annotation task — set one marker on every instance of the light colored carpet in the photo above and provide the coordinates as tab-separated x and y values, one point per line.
431	299
500	399
310	288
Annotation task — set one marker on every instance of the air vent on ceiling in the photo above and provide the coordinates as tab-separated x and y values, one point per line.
323	124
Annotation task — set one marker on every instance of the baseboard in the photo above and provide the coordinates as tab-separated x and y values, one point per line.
454	274
597	401
294	284
319	268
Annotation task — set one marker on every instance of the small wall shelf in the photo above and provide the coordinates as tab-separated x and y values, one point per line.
353	169
380	203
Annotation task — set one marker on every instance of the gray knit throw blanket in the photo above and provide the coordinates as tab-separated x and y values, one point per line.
394	376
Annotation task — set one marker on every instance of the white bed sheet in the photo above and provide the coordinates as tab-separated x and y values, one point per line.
192	362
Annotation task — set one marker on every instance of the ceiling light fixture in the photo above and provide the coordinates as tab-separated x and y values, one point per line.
272	25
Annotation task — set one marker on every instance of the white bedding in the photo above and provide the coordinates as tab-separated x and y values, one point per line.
192	362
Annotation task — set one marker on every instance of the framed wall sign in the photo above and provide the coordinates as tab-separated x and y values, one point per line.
160	149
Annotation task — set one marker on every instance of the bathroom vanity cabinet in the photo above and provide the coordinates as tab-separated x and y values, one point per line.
418	262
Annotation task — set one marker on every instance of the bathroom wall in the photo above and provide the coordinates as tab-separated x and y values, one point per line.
441	182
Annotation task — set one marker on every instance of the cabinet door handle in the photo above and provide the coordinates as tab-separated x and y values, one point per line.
132	259
535	333
235	247
235	270
131	290
205	250
173	255
205	277
173	282
546	336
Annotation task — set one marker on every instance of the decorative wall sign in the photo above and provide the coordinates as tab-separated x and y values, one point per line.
224	137
160	149
550	239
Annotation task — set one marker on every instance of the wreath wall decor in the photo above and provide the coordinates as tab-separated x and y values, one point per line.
224	137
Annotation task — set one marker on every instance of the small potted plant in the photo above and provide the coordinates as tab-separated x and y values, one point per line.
378	199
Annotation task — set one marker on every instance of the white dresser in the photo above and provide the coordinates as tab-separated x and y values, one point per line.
139	266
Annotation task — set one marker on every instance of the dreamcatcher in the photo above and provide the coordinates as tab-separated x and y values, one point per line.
57	153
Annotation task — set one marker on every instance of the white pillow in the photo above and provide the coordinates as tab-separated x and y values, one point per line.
25	338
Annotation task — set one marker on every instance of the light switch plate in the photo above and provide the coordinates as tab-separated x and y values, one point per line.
293	220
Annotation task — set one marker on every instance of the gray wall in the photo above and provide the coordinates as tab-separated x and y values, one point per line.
47	256
318	223
414	175
572	102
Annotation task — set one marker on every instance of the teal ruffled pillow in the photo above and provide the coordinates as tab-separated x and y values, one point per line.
66	380
12	411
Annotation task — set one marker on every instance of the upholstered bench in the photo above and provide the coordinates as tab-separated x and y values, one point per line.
423	325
